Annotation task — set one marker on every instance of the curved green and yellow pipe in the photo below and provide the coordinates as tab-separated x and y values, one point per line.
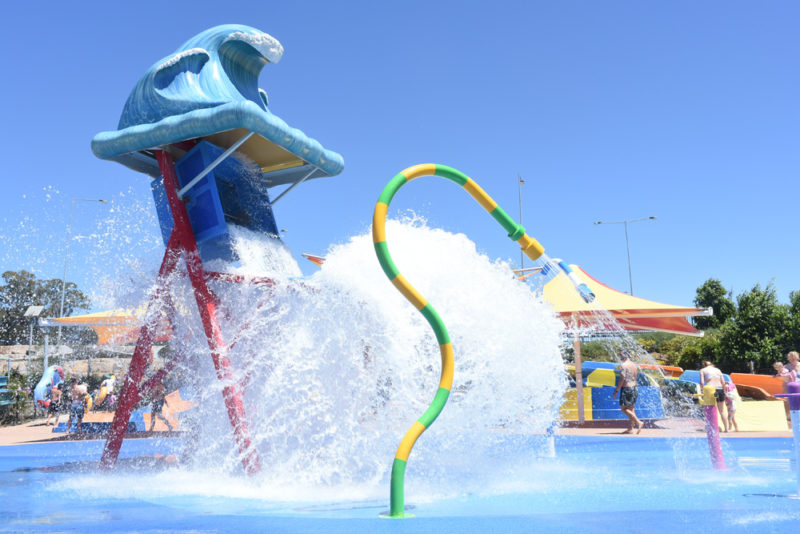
515	231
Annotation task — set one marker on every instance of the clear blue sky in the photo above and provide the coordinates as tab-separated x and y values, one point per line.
684	110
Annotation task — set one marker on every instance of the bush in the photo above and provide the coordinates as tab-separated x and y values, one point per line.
13	398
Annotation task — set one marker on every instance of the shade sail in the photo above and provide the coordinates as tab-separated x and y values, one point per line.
632	313
317	260
118	326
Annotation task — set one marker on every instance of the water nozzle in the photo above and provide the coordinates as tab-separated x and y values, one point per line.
532	248
586	294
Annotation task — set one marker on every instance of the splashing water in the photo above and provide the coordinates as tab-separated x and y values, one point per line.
111	246
337	366
599	325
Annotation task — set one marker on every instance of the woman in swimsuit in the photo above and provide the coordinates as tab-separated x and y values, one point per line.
793	362
711	376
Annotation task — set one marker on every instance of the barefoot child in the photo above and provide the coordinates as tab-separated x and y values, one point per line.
786	375
77	405
730	404
55	405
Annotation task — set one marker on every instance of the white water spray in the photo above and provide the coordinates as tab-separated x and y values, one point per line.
338	366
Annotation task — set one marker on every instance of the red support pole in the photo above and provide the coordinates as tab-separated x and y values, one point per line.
141	355
231	393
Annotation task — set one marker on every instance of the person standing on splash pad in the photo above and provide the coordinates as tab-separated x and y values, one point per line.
711	376
158	398
55	404
626	387
77	406
730	404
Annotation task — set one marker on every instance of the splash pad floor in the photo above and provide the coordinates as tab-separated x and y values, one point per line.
593	484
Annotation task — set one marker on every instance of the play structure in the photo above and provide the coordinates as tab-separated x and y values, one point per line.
516	232
200	126
51	377
758	386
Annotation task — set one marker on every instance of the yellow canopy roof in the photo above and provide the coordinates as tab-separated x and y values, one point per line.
119	326
633	313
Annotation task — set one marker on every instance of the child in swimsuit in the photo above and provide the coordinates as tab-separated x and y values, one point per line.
55	405
77	405
730	404
784	373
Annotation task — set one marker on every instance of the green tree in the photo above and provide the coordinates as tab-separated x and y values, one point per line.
22	289
757	333
658	342
688	352
15	394
792	338
598	351
757	328
712	294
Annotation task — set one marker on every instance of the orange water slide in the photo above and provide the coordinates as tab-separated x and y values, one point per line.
768	383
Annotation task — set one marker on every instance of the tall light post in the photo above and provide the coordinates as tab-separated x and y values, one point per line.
627	242
519	194
66	256
33	312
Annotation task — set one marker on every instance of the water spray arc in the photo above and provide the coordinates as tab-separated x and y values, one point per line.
550	271
516	232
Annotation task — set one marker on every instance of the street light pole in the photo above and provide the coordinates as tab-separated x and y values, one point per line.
627	243
519	194
66	257
33	312
628	251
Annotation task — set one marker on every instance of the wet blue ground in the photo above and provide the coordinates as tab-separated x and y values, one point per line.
593	484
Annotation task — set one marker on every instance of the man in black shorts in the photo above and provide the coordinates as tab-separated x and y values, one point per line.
55	404
626	387
77	405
